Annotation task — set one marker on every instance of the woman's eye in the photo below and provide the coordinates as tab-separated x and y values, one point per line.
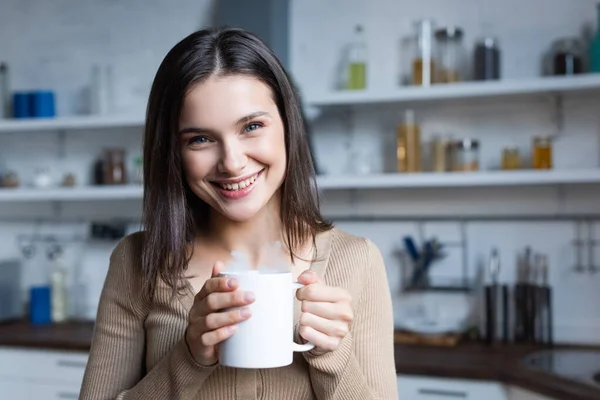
252	127
196	140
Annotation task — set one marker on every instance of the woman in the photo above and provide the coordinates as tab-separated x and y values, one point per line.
227	166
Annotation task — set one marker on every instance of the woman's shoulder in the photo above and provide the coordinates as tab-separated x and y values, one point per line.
130	247
352	246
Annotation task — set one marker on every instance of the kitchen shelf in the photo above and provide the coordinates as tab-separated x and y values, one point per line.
461	179
459	91
332	182
71	123
90	193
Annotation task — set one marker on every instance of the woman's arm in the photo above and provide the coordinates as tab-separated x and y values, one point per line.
362	367
116	366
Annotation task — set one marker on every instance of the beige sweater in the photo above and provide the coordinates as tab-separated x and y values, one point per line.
139	351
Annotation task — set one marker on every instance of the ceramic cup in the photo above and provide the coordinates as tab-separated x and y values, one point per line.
266	340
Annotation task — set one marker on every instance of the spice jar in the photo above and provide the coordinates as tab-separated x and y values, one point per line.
408	150
542	153
450	67
487	59
115	172
567	56
510	159
438	155
464	155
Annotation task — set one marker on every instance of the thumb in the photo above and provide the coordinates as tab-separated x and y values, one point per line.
308	277
217	269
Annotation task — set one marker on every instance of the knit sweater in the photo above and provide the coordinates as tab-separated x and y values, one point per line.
139	349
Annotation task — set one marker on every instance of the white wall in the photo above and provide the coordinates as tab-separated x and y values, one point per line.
50	47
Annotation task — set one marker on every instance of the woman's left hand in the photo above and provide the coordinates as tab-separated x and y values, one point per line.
326	313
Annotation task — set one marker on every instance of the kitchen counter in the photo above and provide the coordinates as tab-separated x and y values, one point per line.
465	361
71	336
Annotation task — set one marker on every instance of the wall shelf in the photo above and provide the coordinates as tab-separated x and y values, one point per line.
71	123
459	91
330	183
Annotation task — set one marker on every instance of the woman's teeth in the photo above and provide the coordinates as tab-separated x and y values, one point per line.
238	185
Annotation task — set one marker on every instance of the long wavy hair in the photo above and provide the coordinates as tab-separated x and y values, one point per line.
172	213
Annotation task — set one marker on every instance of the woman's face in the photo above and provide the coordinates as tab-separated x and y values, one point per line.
232	145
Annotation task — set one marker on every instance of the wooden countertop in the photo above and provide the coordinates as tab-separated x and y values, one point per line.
465	361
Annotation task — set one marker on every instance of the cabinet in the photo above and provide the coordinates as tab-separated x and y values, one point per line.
426	388
41	374
515	393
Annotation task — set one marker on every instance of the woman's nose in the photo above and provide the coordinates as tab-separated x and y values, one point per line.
233	159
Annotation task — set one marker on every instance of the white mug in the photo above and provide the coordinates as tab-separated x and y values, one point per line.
266	339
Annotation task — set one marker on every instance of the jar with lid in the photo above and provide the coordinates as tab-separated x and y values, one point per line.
408	145
451	55
567	56
423	54
542	153
510	159
115	172
464	155
487	59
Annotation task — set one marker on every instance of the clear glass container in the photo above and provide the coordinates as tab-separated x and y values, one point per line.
464	155
541	157
408	150
451	55
357	61
115	172
423	54
510	159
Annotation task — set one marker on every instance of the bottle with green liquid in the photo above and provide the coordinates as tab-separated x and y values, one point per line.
357	62
595	46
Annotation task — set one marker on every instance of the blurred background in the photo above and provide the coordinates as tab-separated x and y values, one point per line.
461	136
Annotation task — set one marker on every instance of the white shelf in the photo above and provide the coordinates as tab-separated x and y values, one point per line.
71	123
91	193
466	90
460	179
328	183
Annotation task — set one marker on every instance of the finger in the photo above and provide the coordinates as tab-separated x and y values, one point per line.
218	320
319	339
331	311
215	302
217	268
215	337
326	326
308	277
212	285
322	292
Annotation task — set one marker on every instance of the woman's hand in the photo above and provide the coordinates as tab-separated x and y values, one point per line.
208	324
326	313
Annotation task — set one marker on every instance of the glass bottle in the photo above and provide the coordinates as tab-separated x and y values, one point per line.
408	150
510	159
542	153
594	50
115	172
567	56
423	65
357	61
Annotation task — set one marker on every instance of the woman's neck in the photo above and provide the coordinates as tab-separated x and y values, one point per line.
254	237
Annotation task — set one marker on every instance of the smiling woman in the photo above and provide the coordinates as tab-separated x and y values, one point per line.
227	168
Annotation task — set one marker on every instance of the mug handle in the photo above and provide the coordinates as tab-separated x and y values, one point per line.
295	346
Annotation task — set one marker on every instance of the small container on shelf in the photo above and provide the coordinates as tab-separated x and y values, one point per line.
450	66
422	54
408	150
487	59
567	56
115	172
541	157
464	155
356	68
439	155
510	159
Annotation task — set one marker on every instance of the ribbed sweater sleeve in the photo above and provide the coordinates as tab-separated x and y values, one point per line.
116	365
362	368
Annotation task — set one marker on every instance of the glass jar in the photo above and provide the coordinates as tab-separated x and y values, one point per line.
487	59
451	55
510	159
115	172
423	64
464	155
541	153
567	57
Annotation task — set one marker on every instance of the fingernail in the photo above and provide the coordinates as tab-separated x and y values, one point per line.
249	296
232	328
245	312
231	283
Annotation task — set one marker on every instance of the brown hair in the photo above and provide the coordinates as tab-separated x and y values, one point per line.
172	214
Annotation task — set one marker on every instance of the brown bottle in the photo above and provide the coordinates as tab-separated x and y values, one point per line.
408	150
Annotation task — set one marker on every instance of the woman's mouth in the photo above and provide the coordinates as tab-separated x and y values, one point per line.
239	189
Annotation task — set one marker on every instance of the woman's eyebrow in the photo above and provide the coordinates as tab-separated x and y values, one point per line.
242	120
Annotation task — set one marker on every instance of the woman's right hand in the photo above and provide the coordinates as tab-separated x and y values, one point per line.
208	324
